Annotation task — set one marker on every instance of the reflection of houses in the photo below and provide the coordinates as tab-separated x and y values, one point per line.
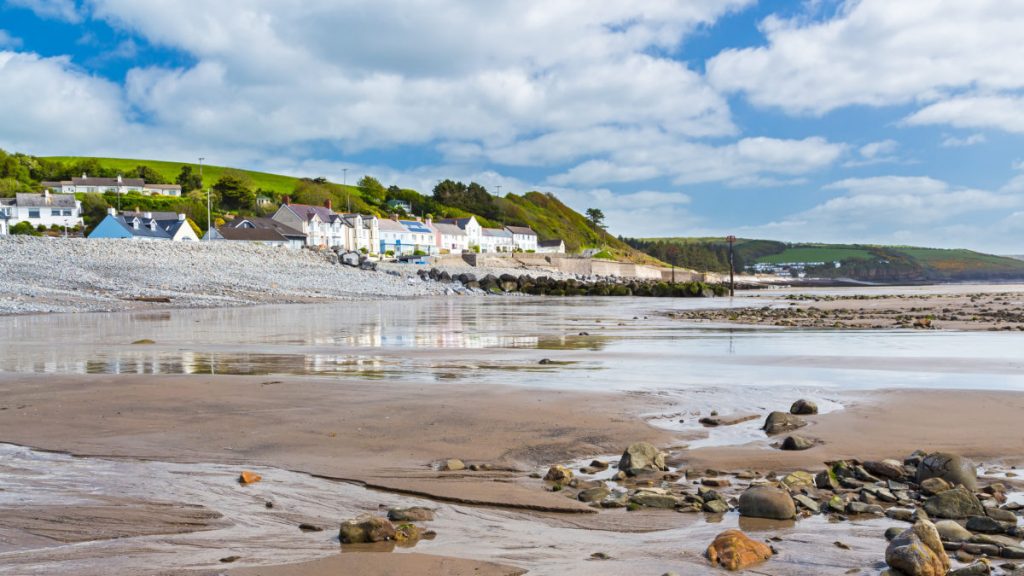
145	226
551	247
795	269
44	209
260	230
87	184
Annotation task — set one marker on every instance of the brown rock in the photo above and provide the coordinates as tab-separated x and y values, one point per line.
247	477
366	529
558	473
918	551
734	550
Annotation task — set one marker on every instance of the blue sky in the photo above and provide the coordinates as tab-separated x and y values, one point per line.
860	121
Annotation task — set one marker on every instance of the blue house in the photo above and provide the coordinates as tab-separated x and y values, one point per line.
145	226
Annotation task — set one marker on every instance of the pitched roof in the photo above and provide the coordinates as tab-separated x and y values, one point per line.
521	230
550	243
164	186
497	233
251	234
460	222
306	211
416	226
56	200
143	231
90	181
389	225
152	214
255	222
449	229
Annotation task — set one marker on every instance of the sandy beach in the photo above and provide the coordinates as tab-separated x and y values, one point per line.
141	446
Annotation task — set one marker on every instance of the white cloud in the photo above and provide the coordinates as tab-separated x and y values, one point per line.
58	9
898	209
999	112
879	149
970	140
750	161
878	53
8	41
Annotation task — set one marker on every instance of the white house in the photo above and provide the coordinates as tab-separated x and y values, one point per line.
325	228
472	228
551	247
495	240
87	184
44	209
451	238
4	231
362	232
524	238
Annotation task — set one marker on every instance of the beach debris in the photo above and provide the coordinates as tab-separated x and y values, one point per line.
247	477
558	473
767	502
918	551
454	465
641	456
600	556
307	527
779	422
734	550
143	342
230	559
803	407
366	529
412	514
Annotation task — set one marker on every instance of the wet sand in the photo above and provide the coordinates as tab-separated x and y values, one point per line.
970	311
392	437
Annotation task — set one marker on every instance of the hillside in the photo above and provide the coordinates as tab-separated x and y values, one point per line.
236	190
860	262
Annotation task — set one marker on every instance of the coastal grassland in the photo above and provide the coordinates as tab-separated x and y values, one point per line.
817	253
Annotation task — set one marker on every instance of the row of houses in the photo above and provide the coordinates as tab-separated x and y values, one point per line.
293	226
119	185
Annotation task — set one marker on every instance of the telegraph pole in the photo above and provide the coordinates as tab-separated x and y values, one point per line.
208	220
732	267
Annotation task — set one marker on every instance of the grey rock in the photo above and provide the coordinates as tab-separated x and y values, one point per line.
807	502
863	508
641	456
950	467
891	533
595	494
932	486
767	502
976	569
779	422
803	407
797	443
901	514
955	504
413	514
985	525
1001	515
715	507
888	469
952	531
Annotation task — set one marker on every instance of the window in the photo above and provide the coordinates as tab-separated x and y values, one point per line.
33	213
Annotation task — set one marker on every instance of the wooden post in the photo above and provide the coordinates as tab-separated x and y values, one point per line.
732	267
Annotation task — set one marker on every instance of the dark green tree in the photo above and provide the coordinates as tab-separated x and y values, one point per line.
94	209
596	217
372	189
188	180
235	191
148	174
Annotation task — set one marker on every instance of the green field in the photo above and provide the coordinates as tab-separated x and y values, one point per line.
274	183
822	253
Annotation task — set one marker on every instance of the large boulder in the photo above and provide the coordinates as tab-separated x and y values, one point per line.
950	467
558	473
365	529
641	456
767	502
350	259
803	407
918	551
956	504
779	422
890	469
797	443
734	550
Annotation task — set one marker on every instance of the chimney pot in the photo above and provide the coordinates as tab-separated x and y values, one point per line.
181	217
112	211
287	200
328	204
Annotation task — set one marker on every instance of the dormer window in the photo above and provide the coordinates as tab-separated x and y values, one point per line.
135	223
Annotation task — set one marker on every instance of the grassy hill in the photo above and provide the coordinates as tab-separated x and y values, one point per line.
862	262
543	212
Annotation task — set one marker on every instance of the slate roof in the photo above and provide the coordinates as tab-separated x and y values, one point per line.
306	212
460	222
497	233
90	181
389	225
416	227
55	200
521	230
264	224
155	215
144	230
251	234
549	243
449	229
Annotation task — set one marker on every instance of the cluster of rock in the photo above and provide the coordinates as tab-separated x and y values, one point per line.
351	258
550	286
368	529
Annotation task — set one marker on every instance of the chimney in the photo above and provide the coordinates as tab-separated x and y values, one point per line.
84	175
148	215
112	211
418	219
181	217
118	178
329	205
287	200
429	222
394	217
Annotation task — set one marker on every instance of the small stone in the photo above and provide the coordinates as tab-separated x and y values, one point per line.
558	473
715	507
952	531
797	443
454	465
641	456
893	532
933	486
307	527
976	569
985	525
767	502
807	503
779	422
412	514
247	477
230	559
366	529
